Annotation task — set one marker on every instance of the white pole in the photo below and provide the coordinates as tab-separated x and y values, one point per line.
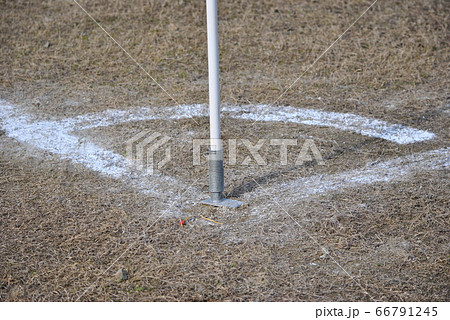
216	174
213	64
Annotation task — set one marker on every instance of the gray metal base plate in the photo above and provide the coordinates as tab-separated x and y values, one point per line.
223	203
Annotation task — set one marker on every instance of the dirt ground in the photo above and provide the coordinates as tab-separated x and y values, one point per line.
66	230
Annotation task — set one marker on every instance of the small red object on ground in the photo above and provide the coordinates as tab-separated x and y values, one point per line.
182	222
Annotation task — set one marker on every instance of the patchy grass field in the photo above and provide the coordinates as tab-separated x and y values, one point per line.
66	230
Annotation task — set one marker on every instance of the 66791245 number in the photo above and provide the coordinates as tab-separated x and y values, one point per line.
406	311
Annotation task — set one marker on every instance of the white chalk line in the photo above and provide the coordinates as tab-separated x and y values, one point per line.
343	121
393	170
56	137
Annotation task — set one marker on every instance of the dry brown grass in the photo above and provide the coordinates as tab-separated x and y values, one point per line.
61	226
265	45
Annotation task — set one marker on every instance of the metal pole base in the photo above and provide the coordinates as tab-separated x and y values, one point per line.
216	182
223	203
